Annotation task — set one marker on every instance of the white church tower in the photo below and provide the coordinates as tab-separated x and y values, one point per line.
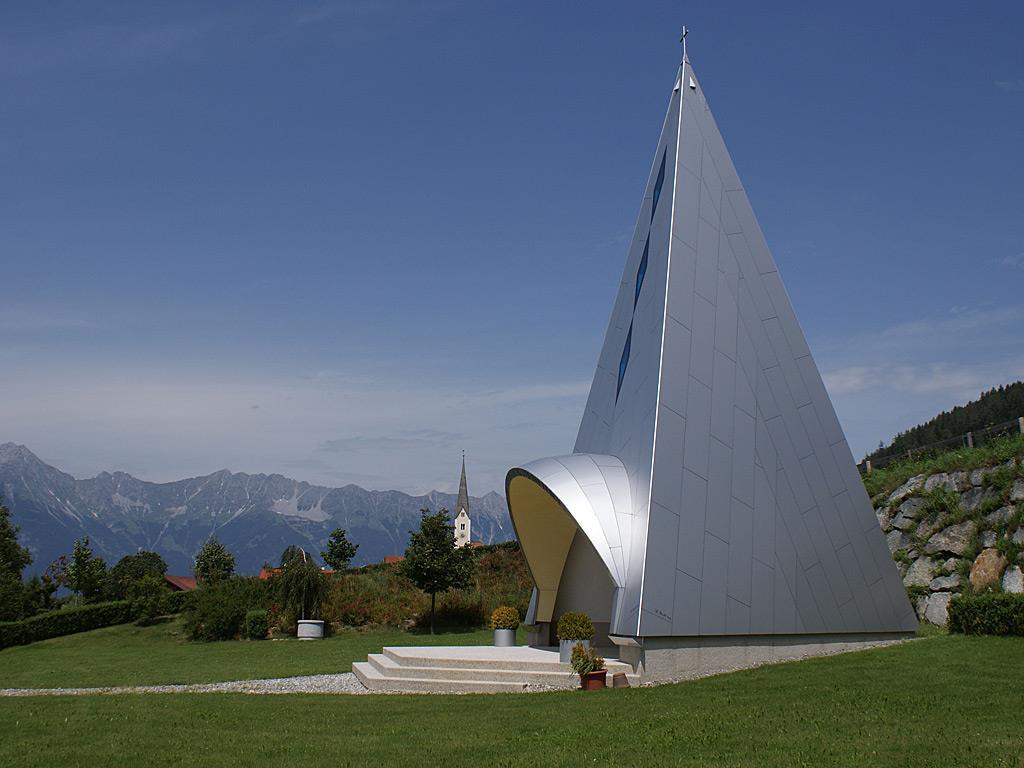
462	529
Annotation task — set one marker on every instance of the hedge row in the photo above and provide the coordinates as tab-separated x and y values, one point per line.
997	613
64	622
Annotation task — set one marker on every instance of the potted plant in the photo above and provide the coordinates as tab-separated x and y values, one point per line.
573	628
589	666
504	622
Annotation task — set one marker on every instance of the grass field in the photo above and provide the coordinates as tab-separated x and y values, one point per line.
940	701
130	655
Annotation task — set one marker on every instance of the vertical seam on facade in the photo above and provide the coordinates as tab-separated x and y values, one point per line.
661	358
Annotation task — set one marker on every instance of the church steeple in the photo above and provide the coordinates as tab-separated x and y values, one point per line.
462	509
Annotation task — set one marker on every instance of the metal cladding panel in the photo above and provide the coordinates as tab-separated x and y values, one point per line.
761	439
747	512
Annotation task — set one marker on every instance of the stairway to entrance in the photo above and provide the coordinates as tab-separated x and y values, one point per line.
472	669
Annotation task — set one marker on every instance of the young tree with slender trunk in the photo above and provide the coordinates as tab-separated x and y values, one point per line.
432	562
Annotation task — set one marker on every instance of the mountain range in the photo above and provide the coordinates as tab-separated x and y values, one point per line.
255	516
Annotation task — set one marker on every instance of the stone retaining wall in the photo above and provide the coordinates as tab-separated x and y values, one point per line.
951	531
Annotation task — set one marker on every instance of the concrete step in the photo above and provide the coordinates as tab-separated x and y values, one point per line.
519	659
555	679
374	680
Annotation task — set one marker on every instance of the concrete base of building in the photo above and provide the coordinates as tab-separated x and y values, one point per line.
669	659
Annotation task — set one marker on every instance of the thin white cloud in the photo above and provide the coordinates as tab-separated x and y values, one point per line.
894	377
1016	261
384	432
1010	86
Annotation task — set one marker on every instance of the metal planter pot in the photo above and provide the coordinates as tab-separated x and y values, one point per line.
504	638
565	649
310	630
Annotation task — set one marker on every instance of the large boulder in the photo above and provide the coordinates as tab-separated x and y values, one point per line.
958	480
909	487
972	499
935	481
955	539
1013	580
1001	515
988	538
884	515
904	523
978	475
945	583
987	569
897	540
912	507
921	572
936	609
1017	494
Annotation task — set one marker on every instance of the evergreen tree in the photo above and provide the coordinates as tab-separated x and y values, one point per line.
996	406
14	558
214	563
86	573
340	550
432	562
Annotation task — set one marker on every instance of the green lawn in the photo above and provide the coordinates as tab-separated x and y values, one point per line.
941	701
130	655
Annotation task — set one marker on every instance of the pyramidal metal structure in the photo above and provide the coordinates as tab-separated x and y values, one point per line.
711	491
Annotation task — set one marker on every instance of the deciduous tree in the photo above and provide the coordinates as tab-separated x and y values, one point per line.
432	562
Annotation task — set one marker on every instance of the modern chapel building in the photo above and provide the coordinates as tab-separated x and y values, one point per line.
711	514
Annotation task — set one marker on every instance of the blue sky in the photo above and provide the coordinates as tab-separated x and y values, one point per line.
344	241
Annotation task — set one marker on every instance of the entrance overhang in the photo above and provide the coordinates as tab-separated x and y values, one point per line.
549	500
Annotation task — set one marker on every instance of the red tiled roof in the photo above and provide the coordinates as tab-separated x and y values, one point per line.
391	559
181	583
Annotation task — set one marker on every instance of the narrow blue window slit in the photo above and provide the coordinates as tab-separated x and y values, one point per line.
658	183
624	361
641	271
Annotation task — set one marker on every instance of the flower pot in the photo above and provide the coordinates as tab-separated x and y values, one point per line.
504	638
310	630
593	681
565	649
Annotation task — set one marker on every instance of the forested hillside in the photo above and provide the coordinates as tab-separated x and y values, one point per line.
993	407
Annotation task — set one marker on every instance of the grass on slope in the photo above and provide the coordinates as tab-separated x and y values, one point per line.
131	655
945	700
892	476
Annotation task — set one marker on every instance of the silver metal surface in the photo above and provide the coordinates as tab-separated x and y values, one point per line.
717	486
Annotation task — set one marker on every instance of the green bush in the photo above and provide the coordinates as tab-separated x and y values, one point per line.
996	613
575	626
218	609
64	622
179	602
257	624
456	608
505	617
148	597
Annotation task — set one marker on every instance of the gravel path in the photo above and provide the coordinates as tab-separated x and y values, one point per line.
341	683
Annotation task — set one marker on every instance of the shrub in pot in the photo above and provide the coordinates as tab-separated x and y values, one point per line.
505	622
589	666
573	628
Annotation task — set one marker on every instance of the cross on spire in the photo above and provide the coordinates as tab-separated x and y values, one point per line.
682	39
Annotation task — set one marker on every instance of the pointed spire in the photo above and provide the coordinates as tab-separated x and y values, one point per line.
463	502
